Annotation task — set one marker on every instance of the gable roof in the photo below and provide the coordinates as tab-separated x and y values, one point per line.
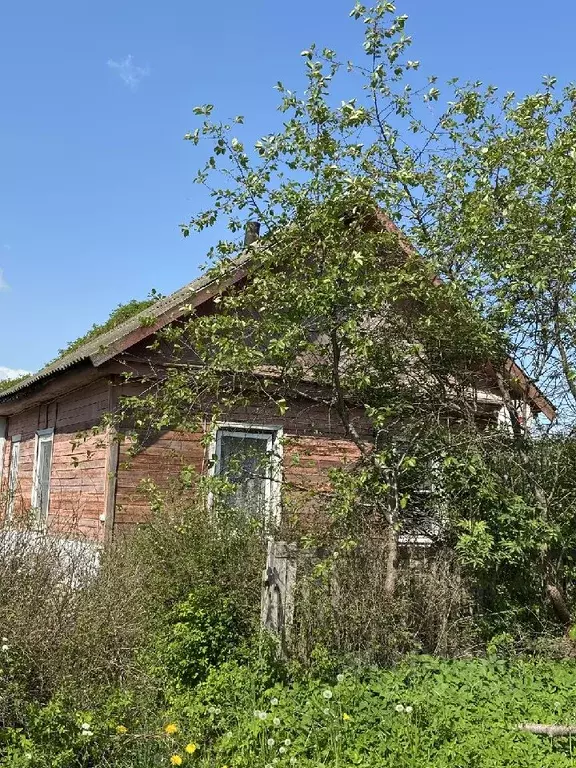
105	346
182	302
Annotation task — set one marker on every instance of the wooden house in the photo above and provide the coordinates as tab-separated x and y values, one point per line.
88	488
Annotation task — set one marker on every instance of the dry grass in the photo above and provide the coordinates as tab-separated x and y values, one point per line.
342	606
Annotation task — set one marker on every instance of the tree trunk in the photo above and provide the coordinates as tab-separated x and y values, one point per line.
392	537
391	561
559	604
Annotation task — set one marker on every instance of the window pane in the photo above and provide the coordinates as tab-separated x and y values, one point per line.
41	494
44	461
244	461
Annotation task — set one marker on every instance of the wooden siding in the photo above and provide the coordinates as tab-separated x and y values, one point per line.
159	463
88	499
83	491
78	475
313	443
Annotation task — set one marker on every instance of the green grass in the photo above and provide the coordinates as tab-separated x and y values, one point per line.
426	712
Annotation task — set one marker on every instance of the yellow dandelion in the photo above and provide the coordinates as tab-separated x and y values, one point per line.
171	729
346	717
176	760
190	748
121	729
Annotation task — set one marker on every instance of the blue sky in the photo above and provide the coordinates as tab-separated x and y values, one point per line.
96	97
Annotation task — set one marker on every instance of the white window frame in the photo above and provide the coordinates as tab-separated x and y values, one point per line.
42	436
273	433
13	475
3	430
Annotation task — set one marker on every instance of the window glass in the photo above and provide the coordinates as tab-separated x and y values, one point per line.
41	492
246	460
13	476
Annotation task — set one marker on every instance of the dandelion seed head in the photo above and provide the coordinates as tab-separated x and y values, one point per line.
276	721
271	742
399	708
327	694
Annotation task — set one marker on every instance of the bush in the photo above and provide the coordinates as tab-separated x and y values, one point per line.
203	630
342	606
64	622
161	607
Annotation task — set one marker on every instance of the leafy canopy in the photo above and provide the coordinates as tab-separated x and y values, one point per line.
392	332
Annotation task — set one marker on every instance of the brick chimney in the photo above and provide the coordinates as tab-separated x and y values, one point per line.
251	233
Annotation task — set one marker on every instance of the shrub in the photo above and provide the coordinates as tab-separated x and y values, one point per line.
65	623
83	631
342	606
203	630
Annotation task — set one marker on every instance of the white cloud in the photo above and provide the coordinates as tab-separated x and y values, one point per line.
11	373
130	73
3	284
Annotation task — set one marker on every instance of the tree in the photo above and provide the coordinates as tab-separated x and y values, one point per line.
389	318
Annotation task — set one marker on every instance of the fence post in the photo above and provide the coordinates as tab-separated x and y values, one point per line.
279	581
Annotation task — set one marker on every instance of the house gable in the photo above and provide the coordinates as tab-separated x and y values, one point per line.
101	492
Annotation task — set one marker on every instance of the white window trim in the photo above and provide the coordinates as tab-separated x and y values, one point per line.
15	440
42	436
275	433
3	442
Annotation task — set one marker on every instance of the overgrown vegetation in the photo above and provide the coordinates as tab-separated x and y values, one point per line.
8	383
119	315
119	638
156	657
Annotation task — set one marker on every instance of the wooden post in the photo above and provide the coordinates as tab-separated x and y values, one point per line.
548	730
111	471
279	581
